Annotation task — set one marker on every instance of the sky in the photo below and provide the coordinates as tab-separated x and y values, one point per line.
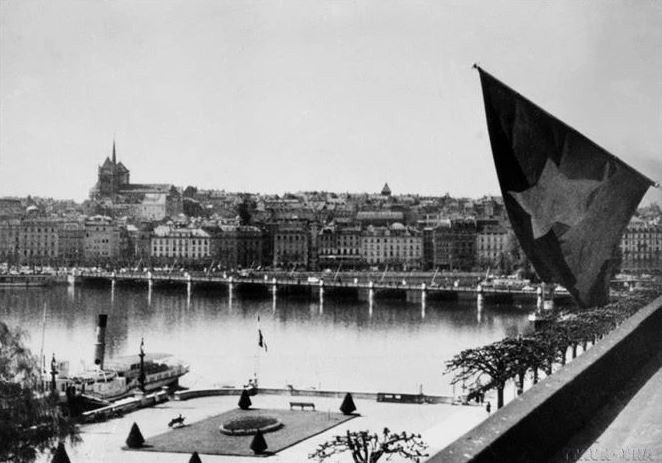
343	96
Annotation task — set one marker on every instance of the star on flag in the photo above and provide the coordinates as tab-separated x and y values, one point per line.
555	199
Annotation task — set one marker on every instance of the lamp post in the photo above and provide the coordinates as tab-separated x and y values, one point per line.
53	372
141	377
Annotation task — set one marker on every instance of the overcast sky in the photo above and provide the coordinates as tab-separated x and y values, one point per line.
274	96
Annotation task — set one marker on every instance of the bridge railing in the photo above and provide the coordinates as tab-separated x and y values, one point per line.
197	277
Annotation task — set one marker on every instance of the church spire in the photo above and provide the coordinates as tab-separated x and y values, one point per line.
114	157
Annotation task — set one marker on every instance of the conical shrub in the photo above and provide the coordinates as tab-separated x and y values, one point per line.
135	439
347	406
195	458
60	454
258	445
245	400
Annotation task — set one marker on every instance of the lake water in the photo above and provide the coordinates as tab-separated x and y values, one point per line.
386	346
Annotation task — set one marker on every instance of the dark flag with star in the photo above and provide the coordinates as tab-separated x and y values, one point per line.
568	200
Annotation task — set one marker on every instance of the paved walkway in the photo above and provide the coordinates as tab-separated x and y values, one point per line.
629	429
438	424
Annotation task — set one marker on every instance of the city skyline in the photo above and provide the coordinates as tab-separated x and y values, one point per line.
332	96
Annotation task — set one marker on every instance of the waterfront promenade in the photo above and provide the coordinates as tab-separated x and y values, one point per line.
439	424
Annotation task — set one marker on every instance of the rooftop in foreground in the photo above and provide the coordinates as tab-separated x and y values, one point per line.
628	428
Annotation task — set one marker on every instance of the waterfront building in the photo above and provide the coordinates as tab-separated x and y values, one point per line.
37	241
181	245
641	246
396	246
349	244
290	248
454	244
313	227
428	248
71	241
101	243
491	242
327	246
237	246
340	247
9	240
268	239
139	239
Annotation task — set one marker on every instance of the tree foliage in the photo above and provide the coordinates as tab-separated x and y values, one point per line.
370	448
259	444
492	366
135	438
30	420
348	407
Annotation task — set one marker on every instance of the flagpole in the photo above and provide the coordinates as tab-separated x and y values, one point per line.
256	363
615	158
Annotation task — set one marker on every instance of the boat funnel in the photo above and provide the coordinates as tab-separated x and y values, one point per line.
100	345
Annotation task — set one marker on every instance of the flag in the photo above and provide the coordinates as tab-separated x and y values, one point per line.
142	345
260	341
260	338
568	200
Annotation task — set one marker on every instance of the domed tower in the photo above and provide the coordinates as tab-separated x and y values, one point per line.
386	191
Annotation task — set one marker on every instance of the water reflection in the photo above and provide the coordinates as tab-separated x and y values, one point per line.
338	344
371	303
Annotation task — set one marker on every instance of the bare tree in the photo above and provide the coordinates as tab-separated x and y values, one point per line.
370	448
513	357
471	365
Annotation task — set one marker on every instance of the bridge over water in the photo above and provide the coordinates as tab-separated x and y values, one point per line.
353	287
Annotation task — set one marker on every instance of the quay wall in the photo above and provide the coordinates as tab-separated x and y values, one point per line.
125	406
536	425
421	398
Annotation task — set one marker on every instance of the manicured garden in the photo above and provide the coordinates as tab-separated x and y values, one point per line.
205	436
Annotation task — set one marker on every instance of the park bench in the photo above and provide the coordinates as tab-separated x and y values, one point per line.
302	405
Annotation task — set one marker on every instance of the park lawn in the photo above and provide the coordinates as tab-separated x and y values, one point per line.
204	436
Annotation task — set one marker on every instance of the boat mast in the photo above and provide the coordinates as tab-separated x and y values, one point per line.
42	357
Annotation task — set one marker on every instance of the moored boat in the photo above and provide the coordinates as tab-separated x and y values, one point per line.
119	377
160	370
